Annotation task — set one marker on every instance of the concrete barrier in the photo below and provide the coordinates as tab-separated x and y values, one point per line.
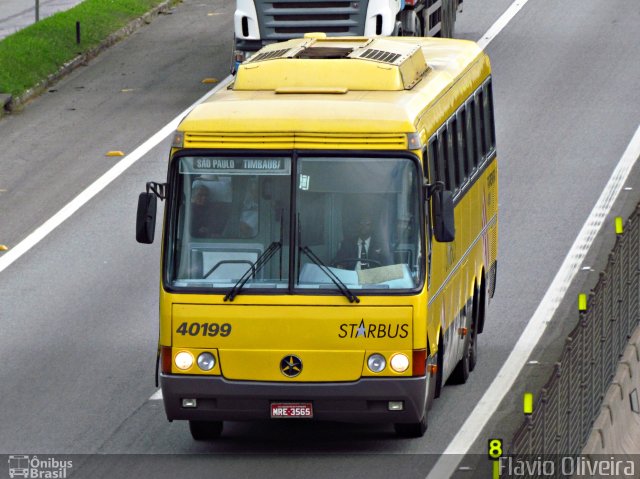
616	430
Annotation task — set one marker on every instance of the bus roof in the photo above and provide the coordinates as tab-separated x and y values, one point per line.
333	85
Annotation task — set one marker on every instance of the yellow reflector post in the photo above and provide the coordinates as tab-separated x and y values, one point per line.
115	153
619	225
496	470
582	302
528	403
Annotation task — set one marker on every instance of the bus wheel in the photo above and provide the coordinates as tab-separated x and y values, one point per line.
461	372
473	337
440	369
205	430
473	347
412	429
417	429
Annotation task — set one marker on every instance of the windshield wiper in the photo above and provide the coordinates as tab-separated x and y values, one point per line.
253	270
332	276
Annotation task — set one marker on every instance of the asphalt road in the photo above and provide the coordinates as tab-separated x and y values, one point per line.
78	316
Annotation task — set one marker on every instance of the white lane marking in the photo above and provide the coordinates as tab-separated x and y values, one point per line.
156	396
501	22
468	433
97	186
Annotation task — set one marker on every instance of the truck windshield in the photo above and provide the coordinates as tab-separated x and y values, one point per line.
358	216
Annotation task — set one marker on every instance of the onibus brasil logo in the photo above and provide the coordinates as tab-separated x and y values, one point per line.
36	468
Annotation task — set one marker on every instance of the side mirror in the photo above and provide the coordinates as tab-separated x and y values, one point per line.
444	228
146	219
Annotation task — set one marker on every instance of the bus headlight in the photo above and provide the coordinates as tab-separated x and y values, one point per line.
206	361
184	360
376	362
399	362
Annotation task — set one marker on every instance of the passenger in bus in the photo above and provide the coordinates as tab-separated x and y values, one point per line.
364	249
248	223
208	218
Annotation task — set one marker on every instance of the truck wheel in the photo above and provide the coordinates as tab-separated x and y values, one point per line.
410	24
452	19
446	19
417	29
205	430
424	21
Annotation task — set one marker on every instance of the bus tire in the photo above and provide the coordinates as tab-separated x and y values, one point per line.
417	429
460	374
412	429
205	430
440	368
473	348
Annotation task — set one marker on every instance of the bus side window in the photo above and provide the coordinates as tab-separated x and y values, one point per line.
441	160
480	126
449	159
471	134
430	164
490	130
462	141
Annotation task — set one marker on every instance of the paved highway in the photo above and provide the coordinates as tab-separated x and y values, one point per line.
78	316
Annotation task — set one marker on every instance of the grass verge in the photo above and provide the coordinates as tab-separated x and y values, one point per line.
30	55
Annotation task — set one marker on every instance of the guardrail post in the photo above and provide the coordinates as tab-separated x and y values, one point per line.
587	369
573	397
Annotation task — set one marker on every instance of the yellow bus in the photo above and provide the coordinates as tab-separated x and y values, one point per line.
330	234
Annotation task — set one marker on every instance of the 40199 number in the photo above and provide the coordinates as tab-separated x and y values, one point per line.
204	329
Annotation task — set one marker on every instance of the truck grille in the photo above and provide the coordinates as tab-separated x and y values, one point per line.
283	20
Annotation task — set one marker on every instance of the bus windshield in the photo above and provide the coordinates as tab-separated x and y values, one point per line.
356	219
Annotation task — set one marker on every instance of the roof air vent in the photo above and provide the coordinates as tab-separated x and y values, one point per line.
379	55
268	55
385	51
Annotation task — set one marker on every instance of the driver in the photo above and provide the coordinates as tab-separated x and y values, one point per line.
364	249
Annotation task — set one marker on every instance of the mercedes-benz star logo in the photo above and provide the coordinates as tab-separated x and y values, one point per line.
291	366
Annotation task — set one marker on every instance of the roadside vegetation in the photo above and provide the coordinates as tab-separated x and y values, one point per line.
30	55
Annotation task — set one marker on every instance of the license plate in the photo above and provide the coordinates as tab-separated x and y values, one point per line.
291	410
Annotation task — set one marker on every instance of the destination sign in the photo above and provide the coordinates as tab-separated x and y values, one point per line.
238	165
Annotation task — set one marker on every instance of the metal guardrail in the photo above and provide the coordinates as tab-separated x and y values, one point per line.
570	401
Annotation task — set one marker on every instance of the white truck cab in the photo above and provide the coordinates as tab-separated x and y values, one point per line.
260	22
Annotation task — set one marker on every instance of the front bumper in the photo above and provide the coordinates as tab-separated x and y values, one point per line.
363	401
